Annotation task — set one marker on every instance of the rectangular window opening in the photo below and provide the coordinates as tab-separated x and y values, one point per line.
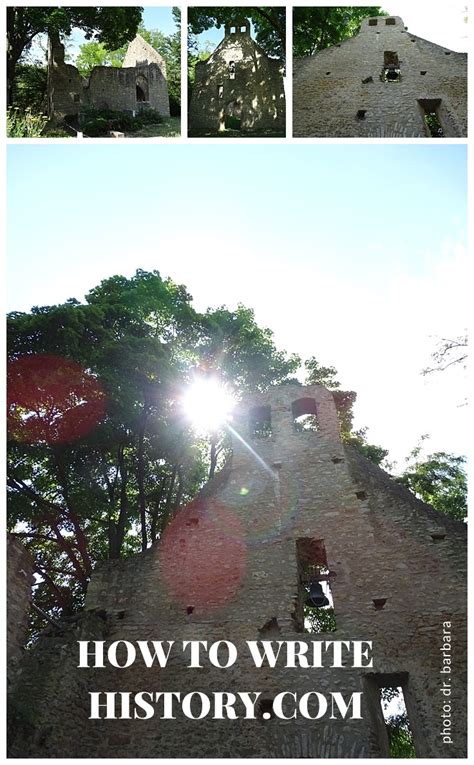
243	29
260	419
314	610
430	109
372	22
387	699
389	22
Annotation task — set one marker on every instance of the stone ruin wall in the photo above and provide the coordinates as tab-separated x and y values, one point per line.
380	542
107	87
334	86
20	580
255	93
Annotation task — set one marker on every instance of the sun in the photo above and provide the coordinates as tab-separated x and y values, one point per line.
208	404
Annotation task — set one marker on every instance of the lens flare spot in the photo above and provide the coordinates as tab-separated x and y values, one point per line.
244	491
51	400
203	555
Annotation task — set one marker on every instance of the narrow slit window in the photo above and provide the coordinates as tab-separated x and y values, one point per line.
260	422
232	70
314	608
305	415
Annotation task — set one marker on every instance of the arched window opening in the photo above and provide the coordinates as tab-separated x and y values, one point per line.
305	415
260	422
142	89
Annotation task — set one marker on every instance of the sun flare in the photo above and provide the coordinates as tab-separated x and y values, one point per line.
208	405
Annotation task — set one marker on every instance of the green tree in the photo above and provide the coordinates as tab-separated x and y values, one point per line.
110	25
169	46
269	24
440	480
316	28
95	53
111	491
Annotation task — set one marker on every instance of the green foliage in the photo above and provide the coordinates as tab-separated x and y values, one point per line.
319	619
169	46
96	54
109	25
30	87
24	124
111	492
98	122
315	28
344	401
440	480
269	24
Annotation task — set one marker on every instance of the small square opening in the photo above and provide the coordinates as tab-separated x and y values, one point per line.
361	114
389	22
372	22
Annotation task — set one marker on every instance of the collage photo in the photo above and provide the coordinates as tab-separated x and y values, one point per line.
237	292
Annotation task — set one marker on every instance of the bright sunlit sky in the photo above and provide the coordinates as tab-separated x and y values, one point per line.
441	23
352	253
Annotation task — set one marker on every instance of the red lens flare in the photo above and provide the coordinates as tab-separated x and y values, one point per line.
203	556
51	400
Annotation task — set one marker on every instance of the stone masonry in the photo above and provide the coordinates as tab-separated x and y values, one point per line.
231	567
238	87
19	579
139	84
385	81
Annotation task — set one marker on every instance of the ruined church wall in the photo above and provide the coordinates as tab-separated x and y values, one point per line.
115	88
257	88
19	582
332	87
378	543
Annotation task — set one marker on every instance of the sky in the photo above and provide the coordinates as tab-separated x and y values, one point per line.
352	253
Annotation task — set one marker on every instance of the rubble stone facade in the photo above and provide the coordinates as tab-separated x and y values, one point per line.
139	84
385	81
238	87
19	579
232	567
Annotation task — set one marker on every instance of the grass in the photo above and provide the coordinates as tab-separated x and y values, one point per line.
170	127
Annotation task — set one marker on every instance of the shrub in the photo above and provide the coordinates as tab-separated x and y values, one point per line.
24	124
147	117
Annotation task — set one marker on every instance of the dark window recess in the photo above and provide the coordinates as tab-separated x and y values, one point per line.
379	603
120	614
447	52
304	415
367	80
389	22
189	610
361	114
77	98
327	73
431	119
260	421
361	495
372	22
142	88
438	536
391	67
314	610
232	70
423	73
389	703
